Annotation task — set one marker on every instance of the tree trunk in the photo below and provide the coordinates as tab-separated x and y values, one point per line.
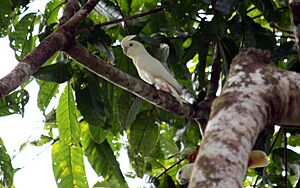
256	94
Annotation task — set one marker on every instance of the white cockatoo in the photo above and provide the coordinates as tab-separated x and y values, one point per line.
257	159
150	69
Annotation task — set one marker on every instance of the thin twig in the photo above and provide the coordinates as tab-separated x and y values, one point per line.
153	11
276	26
167	169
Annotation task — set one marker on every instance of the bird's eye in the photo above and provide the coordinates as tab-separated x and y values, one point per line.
179	172
130	44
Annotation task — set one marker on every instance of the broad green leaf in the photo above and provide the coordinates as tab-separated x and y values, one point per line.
108	9
133	111
143	134
58	72
51	11
68	165
101	156
91	106
6	168
68	126
14	103
293	161
5	19
258	37
21	38
47	91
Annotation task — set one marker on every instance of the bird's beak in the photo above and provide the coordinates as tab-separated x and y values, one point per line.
125	50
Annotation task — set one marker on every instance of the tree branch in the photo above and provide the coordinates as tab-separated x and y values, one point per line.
68	11
59	39
153	11
249	101
295	14
133	85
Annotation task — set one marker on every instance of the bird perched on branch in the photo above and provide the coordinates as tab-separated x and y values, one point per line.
152	71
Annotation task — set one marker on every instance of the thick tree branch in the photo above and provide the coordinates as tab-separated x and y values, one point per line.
61	38
69	11
256	94
133	85
295	14
31	63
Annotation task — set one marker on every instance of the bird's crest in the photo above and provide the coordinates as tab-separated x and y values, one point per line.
128	38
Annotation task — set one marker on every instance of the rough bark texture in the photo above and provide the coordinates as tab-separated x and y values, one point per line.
256	94
295	14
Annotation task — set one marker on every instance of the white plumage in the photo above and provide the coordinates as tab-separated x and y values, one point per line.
150	69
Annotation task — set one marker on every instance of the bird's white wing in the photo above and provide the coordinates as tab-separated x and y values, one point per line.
153	72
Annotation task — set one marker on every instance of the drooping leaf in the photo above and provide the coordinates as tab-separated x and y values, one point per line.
6	168
14	103
108	9
68	165
21	38
258	37
143	134
51	11
166	181
68	126
58	72
133	111
101	156
47	91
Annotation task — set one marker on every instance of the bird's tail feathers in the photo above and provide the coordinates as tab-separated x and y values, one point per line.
175	93
187	96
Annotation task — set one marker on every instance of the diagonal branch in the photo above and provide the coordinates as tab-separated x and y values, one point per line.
127	82
59	39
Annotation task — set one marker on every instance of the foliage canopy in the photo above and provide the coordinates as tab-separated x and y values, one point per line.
94	116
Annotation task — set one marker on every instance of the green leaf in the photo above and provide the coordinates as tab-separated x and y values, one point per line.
143	134
108	9
91	106
42	140
133	111
58	72
51	11
293	161
166	181
5	13
7	171
68	165
14	103
268	8
101	156
47	91
68	126
21	38
256	36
